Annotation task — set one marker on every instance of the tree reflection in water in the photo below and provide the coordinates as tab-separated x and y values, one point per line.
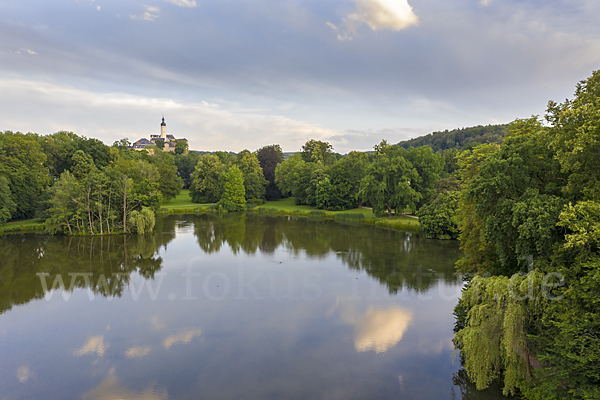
395	259
109	259
468	390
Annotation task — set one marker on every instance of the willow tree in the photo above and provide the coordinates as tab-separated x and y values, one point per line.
143	220
502	312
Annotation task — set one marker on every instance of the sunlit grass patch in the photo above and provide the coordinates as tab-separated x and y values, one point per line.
29	225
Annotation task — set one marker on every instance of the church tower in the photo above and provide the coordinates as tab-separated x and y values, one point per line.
163	130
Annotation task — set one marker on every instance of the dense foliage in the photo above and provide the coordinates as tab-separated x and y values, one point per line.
529	215
82	186
390	180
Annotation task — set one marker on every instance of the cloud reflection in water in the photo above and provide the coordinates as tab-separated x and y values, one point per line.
95	344
379	329
109	389
185	336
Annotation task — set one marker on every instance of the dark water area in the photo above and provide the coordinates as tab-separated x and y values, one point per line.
231	307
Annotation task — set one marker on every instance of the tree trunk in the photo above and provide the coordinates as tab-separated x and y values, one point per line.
527	361
108	212
69	226
125	205
89	210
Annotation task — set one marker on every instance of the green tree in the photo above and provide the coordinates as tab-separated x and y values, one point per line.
234	192
516	194
60	147
82	164
576	138
22	164
438	217
318	189
287	174
316	150
64	196
294	175
181	146
186	163
502	312
254	180
567	343
323	193
269	157
160	144
169	183
429	166
478	251
143	220
387	184
7	205
450	162
226	158
346	175
206	180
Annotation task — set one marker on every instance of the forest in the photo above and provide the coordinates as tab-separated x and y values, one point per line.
459	139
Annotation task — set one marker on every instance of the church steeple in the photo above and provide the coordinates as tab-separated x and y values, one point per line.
163	130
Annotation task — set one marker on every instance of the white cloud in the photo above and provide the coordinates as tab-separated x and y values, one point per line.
485	2
379	15
183	3
27	51
98	8
208	126
150	14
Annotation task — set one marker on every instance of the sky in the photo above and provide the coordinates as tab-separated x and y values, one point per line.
241	74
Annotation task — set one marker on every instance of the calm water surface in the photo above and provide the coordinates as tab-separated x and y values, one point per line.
231	307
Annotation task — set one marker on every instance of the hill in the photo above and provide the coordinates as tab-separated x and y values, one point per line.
458	138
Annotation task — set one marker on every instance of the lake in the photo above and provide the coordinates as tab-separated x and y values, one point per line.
231	307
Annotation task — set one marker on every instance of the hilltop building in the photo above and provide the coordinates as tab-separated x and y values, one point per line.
169	140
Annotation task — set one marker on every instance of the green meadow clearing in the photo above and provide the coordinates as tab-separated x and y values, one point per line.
183	203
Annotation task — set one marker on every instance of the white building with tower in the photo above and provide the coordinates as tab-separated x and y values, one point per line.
169	140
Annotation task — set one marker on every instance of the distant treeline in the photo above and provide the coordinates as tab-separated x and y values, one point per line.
459	139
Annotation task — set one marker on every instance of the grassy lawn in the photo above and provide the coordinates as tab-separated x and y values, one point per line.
183	200
288	205
24	223
27	225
